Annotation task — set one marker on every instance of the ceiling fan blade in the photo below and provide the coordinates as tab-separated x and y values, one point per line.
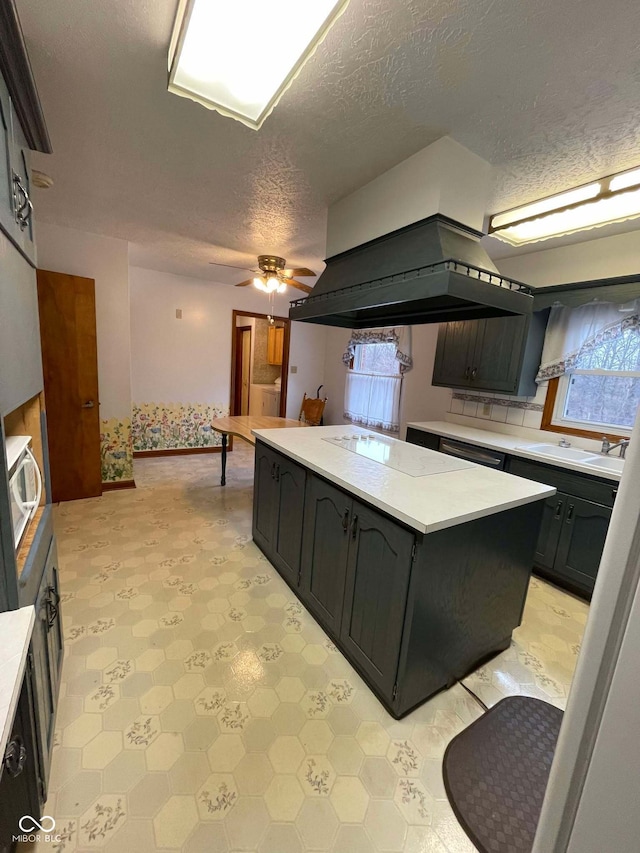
303	271
293	283
245	283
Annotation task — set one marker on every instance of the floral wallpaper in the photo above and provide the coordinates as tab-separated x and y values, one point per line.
173	426
115	450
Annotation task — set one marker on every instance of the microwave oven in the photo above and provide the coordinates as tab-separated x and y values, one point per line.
25	483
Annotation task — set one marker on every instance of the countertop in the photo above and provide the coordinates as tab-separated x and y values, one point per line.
426	503
510	444
16	627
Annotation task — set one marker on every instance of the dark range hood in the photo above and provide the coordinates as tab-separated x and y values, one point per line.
433	271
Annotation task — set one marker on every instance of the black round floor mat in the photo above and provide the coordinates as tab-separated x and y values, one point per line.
496	771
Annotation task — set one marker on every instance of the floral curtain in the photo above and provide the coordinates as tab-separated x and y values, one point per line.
400	336
572	332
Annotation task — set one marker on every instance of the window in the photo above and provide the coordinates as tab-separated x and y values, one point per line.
372	389
602	392
376	358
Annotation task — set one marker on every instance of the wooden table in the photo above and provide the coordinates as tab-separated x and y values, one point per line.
242	426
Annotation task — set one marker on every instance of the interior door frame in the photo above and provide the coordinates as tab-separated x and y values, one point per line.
235	340
237	397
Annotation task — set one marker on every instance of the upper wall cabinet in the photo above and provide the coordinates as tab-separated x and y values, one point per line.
501	354
22	130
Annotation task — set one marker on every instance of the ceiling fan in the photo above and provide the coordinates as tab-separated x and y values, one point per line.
272	277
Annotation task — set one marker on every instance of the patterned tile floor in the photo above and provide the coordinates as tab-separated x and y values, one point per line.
202	709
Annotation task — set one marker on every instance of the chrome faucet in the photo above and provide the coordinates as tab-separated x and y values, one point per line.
607	447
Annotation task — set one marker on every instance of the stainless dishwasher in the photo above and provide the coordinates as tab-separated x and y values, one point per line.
480	455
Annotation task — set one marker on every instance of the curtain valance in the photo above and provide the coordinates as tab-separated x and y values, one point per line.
573	332
400	336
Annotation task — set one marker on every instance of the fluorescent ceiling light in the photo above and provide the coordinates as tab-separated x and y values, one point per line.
238	57
552	203
612	199
626	179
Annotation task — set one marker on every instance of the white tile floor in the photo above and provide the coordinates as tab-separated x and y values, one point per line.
202	709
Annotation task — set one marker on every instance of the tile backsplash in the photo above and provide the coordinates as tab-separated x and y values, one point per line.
487	406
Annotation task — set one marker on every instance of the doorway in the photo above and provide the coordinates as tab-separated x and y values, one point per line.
259	364
243	370
67	308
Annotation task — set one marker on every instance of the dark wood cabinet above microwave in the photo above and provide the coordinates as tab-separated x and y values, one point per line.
501	354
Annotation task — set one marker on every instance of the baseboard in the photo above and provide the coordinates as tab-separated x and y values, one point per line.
118	484
179	451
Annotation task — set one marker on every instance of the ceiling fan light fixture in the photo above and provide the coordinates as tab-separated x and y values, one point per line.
615	198
282	287
217	57
259	283
273	284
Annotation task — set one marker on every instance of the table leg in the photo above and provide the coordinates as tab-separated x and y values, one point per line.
223	479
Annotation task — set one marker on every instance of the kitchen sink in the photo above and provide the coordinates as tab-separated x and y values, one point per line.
608	463
554	451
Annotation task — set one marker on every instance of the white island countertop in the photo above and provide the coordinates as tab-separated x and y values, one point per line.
16	627
425	503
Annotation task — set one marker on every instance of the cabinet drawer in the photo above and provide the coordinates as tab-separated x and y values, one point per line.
589	488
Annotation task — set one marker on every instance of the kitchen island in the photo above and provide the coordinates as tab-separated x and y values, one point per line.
416	564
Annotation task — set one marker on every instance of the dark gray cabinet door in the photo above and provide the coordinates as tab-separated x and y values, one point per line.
584	530
19	793
265	489
324	551
550	530
375	598
7	218
47	651
287	536
454	353
498	353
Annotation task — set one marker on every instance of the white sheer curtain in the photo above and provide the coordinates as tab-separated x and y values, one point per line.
373	400
571	332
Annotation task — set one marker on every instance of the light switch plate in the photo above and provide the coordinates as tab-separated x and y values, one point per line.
294	369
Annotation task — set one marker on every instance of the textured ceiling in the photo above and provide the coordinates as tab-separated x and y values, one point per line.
547	91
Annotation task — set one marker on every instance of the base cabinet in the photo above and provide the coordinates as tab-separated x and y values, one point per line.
574	526
325	551
377	578
19	771
278	514
413	613
46	655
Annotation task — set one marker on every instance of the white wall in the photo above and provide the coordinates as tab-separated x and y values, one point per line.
106	260
189	360
420	401
594	775
443	178
599	258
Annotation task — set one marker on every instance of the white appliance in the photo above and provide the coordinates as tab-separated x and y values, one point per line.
25	483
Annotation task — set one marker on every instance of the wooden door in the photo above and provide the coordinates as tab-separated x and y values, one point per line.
550	530
376	594
454	353
287	538
584	530
70	364
324	551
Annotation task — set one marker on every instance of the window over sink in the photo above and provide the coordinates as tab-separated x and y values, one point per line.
598	391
